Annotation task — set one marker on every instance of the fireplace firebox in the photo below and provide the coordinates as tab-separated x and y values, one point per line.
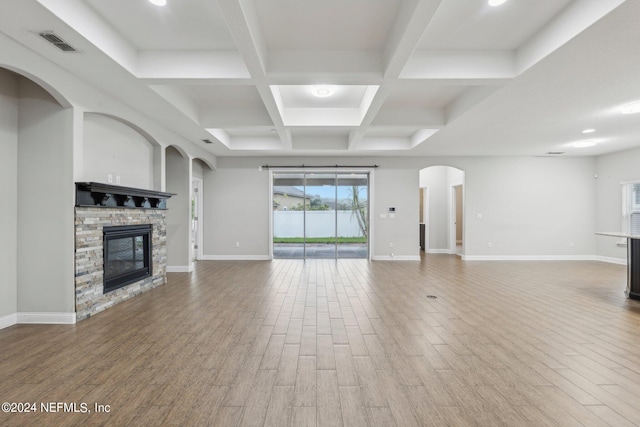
127	255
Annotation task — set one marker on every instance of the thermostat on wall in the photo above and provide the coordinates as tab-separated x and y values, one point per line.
392	209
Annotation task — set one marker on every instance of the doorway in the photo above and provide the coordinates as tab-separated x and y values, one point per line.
456	219
320	214
196	214
442	188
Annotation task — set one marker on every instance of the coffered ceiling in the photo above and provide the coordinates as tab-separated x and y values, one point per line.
401	77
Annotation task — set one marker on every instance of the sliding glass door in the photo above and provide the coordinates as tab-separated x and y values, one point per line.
353	215
320	215
289	203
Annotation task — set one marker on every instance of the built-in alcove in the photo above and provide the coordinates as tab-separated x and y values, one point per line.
119	152
36	226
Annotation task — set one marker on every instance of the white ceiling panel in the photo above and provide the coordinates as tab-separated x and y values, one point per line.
422	94
326	24
474	25
180	25
220	96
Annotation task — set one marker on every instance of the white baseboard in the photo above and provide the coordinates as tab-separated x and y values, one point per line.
8	320
236	258
396	258
438	251
37	319
179	268
47	318
621	261
528	258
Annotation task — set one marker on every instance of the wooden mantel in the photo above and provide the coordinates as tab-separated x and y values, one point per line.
100	195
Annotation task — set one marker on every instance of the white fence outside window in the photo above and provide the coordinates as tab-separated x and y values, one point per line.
319	224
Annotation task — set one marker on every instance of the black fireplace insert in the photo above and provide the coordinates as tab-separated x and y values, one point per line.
127	255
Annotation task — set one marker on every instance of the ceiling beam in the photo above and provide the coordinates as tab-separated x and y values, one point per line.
576	18
413	19
243	24
86	22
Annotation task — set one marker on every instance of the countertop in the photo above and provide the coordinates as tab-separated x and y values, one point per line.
618	234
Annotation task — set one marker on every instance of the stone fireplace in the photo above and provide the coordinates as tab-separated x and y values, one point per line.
130	224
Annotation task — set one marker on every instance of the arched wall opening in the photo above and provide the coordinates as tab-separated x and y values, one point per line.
36	215
442	210
58	97
199	169
178	216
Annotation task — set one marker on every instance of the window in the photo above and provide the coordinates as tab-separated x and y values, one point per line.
631	207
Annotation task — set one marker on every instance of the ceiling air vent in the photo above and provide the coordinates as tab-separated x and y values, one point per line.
207	141
57	41
555	153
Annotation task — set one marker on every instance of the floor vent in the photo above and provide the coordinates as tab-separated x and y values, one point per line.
432	297
57	41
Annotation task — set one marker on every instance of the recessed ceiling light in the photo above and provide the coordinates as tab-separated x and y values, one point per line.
322	91
158	2
588	131
496	2
632	108
584	144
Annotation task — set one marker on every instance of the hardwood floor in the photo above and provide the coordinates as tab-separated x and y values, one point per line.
348	343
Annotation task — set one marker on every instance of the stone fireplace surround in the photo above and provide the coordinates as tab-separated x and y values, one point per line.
90	219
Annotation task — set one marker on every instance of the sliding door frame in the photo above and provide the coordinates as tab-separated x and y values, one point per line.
337	170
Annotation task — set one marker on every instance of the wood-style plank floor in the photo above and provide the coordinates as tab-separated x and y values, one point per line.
351	343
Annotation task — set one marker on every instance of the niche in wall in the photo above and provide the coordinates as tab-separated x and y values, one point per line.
114	149
36	159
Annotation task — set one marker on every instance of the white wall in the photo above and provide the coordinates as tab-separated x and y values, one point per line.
236	209
198	168
45	203
112	147
8	193
612	169
531	207
395	186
